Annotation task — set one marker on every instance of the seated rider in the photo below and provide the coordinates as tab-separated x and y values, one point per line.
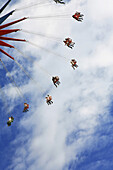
78	16
26	107
73	63
56	80
49	100
10	121
69	43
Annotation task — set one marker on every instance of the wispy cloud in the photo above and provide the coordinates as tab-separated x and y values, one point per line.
50	137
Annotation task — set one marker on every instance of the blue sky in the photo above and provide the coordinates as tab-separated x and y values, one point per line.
100	156
75	133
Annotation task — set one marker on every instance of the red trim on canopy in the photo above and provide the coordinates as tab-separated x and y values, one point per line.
11	23
12	39
3	32
5	44
6	54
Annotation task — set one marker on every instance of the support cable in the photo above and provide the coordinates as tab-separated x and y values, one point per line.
45	49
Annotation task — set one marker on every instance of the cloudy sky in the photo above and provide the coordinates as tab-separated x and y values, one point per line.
75	133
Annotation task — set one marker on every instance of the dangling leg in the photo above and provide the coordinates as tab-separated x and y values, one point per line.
47	102
55	84
79	20
70	46
73	67
76	65
50	102
58	82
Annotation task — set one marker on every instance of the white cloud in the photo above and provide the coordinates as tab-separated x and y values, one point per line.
82	95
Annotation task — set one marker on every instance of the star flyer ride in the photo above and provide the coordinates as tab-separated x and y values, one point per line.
3	37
